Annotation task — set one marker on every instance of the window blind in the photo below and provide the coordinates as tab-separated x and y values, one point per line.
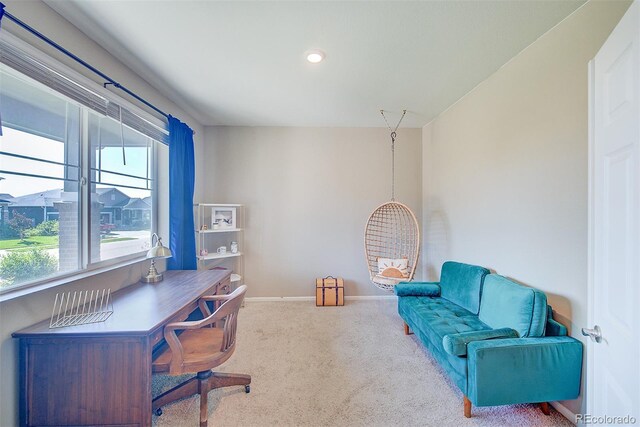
30	66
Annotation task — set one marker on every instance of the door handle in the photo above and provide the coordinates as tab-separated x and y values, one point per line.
595	334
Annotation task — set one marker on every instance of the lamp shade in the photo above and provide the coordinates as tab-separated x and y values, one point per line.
159	250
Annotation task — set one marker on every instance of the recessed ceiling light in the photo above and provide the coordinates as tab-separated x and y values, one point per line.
315	56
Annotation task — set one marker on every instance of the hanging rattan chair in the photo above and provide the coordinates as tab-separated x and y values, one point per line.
392	236
391	233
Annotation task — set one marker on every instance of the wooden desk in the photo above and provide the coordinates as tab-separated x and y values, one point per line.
100	374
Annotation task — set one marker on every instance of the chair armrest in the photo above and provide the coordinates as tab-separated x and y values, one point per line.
417	289
202	303
456	344
215	297
179	326
523	370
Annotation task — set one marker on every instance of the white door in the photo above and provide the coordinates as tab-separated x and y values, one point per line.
613	359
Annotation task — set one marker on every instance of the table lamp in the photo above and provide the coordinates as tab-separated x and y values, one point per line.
157	251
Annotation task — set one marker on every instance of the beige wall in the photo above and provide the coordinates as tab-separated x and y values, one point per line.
24	311
308	193
505	169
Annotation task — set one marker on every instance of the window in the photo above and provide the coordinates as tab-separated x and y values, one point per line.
77	185
121	187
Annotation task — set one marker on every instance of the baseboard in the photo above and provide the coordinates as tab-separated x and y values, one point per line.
283	299
312	298
564	411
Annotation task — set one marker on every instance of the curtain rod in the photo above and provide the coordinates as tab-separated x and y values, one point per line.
109	80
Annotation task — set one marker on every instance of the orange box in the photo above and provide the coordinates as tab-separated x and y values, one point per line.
329	291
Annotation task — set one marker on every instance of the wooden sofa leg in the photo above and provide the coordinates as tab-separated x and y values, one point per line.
407	331
544	407
467	407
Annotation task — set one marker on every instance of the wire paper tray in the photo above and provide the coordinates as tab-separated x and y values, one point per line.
80	308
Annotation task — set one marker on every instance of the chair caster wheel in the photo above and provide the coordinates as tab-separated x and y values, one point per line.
158	411
247	389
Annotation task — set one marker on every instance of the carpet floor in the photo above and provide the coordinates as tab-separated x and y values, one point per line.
336	366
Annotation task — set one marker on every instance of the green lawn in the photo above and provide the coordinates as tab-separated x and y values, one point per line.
40	242
45	242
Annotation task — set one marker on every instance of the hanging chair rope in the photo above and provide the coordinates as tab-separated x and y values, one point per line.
393	151
391	232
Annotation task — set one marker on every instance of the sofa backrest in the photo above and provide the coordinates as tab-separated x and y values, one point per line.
506	304
462	284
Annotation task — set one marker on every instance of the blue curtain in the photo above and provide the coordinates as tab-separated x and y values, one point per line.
182	175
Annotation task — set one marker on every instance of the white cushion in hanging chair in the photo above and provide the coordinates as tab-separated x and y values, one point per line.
392	267
391	234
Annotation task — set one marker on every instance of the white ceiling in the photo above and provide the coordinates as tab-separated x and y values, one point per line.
242	63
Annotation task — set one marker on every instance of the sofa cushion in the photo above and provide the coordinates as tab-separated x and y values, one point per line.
438	317
462	284
506	304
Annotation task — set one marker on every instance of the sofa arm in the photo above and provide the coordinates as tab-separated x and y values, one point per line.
555	329
523	370
417	289
456	344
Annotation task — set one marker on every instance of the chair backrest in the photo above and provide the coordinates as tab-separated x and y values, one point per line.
186	356
228	313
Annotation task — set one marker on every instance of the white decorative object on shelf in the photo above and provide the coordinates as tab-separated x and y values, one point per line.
223	217
80	308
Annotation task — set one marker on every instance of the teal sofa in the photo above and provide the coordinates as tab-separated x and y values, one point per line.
494	338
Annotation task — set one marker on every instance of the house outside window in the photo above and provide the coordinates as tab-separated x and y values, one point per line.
76	186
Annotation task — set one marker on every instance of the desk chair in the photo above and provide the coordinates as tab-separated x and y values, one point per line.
202	345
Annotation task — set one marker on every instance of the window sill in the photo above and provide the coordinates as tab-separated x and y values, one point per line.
10	294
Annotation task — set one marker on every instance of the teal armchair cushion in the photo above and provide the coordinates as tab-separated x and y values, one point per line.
523	370
456	344
462	284
506	304
417	289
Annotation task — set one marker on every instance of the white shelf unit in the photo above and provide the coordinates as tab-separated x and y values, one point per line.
218	256
211	239
223	230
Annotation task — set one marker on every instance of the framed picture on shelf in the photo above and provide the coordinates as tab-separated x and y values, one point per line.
223	217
